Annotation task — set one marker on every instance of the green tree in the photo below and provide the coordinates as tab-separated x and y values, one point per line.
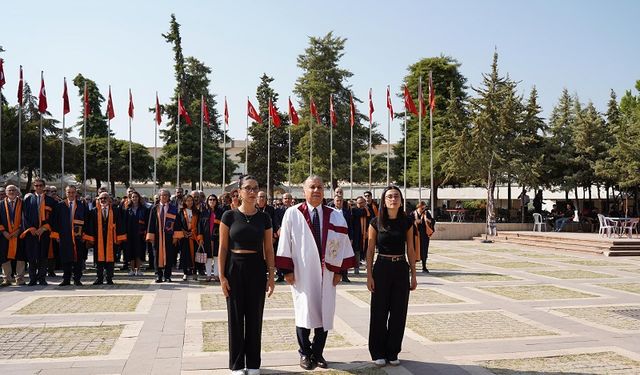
590	135
259	135
96	120
192	83
321	77
562	154
606	168
448	83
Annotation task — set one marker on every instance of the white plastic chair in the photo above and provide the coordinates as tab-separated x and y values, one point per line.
606	226
628	227
538	223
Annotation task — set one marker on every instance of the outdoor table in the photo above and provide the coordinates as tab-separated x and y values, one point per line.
457	214
619	221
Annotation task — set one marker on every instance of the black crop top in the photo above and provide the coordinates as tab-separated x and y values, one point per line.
246	232
391	241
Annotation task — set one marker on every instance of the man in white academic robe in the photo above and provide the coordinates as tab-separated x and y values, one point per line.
313	251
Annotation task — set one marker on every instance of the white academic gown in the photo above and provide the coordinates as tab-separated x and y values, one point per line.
314	295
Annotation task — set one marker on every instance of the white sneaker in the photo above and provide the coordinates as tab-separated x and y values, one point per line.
237	372
184	278
395	362
131	273
380	362
140	273
253	371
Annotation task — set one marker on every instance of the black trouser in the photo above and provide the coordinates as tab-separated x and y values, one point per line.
73	266
247	276
100	268
389	305
424	249
37	253
170	258
311	348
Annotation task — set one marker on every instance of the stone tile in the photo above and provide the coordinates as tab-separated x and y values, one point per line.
621	318
277	335
516	264
475	257
536	292
217	301
419	296
81	304
472	276
474	325
593	262
625	287
587	363
444	266
573	274
57	342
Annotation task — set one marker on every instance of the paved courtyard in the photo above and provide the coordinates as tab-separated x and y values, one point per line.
483	309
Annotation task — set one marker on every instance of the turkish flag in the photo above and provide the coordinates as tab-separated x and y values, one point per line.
20	88
226	112
389	105
183	112
2	80
314	111
158	111
293	114
352	109
87	110
370	108
423	109
408	101
432	94
205	112
275	118
332	112
42	98
251	112
130	105
110	112
65	99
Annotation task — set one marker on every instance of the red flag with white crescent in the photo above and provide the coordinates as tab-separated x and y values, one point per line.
275	118
42	98
432	94
205	112
226	112
370	107
20	88
293	114
314	111
423	109
183	112
2	80
408	101
352	110
332	112
65	99
87	109
389	105
251	112
130	104
158	111
110	111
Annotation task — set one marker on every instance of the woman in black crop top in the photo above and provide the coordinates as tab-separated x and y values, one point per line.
388	280
246	264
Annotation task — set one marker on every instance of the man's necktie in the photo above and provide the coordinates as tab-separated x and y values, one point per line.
315	223
104	213
11	209
71	211
162	216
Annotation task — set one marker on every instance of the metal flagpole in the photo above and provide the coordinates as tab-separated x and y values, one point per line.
331	151
389	143
84	141
310	142
405	158
178	154
431	192
19	145
420	100
155	147
130	153
224	149
1	131
41	174
63	135
370	126
246	143
109	149
352	123
269	152
289	177
201	135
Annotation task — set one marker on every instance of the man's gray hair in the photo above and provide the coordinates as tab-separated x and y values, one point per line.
164	191
313	177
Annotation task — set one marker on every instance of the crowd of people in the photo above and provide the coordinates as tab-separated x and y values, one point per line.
238	240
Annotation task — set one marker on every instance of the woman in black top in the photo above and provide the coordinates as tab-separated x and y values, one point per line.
137	219
388	280
246	263
209	229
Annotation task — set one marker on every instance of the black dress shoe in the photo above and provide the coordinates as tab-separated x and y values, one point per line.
97	282
322	363
77	283
168	279
345	279
43	282
425	270
158	279
32	283
51	274
307	363
64	283
109	282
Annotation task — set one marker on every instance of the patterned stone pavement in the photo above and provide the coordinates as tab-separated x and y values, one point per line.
483	309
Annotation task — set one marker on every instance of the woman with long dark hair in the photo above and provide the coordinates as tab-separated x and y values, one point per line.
246	264
391	278
209	228
188	223
137	219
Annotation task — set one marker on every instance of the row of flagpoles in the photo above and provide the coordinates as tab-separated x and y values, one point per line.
273	118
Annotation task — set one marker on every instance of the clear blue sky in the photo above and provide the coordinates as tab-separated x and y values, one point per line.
589	47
